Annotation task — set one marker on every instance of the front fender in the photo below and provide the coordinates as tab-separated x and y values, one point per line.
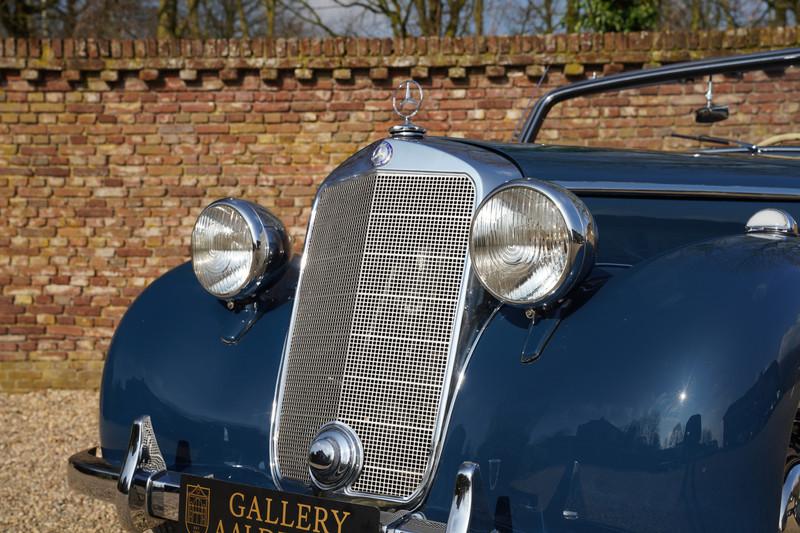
209	401
663	404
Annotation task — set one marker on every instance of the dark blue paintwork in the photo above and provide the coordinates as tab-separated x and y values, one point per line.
597	425
717	321
576	164
632	230
210	401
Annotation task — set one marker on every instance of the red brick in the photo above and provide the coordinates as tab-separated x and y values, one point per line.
103	187
73	331
134	252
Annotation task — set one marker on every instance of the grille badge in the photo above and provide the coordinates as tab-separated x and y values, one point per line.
382	154
335	456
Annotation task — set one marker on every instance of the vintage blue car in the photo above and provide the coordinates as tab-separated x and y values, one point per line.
477	337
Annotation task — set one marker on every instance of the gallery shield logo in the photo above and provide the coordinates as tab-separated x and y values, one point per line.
198	501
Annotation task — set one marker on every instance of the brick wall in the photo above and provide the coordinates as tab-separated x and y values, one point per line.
109	150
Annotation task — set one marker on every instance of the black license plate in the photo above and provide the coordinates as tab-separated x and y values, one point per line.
212	506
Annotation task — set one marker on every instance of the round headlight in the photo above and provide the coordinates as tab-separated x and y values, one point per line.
531	242
237	247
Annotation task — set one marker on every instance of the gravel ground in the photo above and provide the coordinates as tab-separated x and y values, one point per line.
39	432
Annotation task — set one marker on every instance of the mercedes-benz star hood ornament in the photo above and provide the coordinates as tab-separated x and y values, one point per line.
407	101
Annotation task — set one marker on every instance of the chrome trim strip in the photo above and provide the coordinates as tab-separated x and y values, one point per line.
621	188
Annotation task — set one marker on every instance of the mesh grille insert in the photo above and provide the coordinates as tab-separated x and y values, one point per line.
374	318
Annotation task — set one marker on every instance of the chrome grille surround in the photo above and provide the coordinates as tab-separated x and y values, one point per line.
375	324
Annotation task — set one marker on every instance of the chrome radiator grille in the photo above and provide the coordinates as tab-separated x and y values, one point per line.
375	315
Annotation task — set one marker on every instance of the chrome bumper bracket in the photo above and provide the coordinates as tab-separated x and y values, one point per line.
144	491
469	511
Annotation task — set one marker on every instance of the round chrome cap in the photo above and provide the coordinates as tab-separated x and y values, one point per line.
335	456
772	221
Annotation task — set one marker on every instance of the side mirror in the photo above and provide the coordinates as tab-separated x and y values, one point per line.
710	114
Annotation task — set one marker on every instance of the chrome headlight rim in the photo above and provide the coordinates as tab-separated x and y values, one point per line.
271	247
582	243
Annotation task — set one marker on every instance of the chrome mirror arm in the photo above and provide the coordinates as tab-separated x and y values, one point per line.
710	93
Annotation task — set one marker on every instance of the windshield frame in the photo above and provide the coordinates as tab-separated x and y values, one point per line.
642	78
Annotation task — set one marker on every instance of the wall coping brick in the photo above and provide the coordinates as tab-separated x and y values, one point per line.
336	54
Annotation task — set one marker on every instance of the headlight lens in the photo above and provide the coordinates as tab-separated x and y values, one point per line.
531	242
236	245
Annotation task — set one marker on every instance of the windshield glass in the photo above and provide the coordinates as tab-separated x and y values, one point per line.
752	108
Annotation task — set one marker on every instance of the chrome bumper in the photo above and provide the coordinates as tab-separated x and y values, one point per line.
146	494
93	476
